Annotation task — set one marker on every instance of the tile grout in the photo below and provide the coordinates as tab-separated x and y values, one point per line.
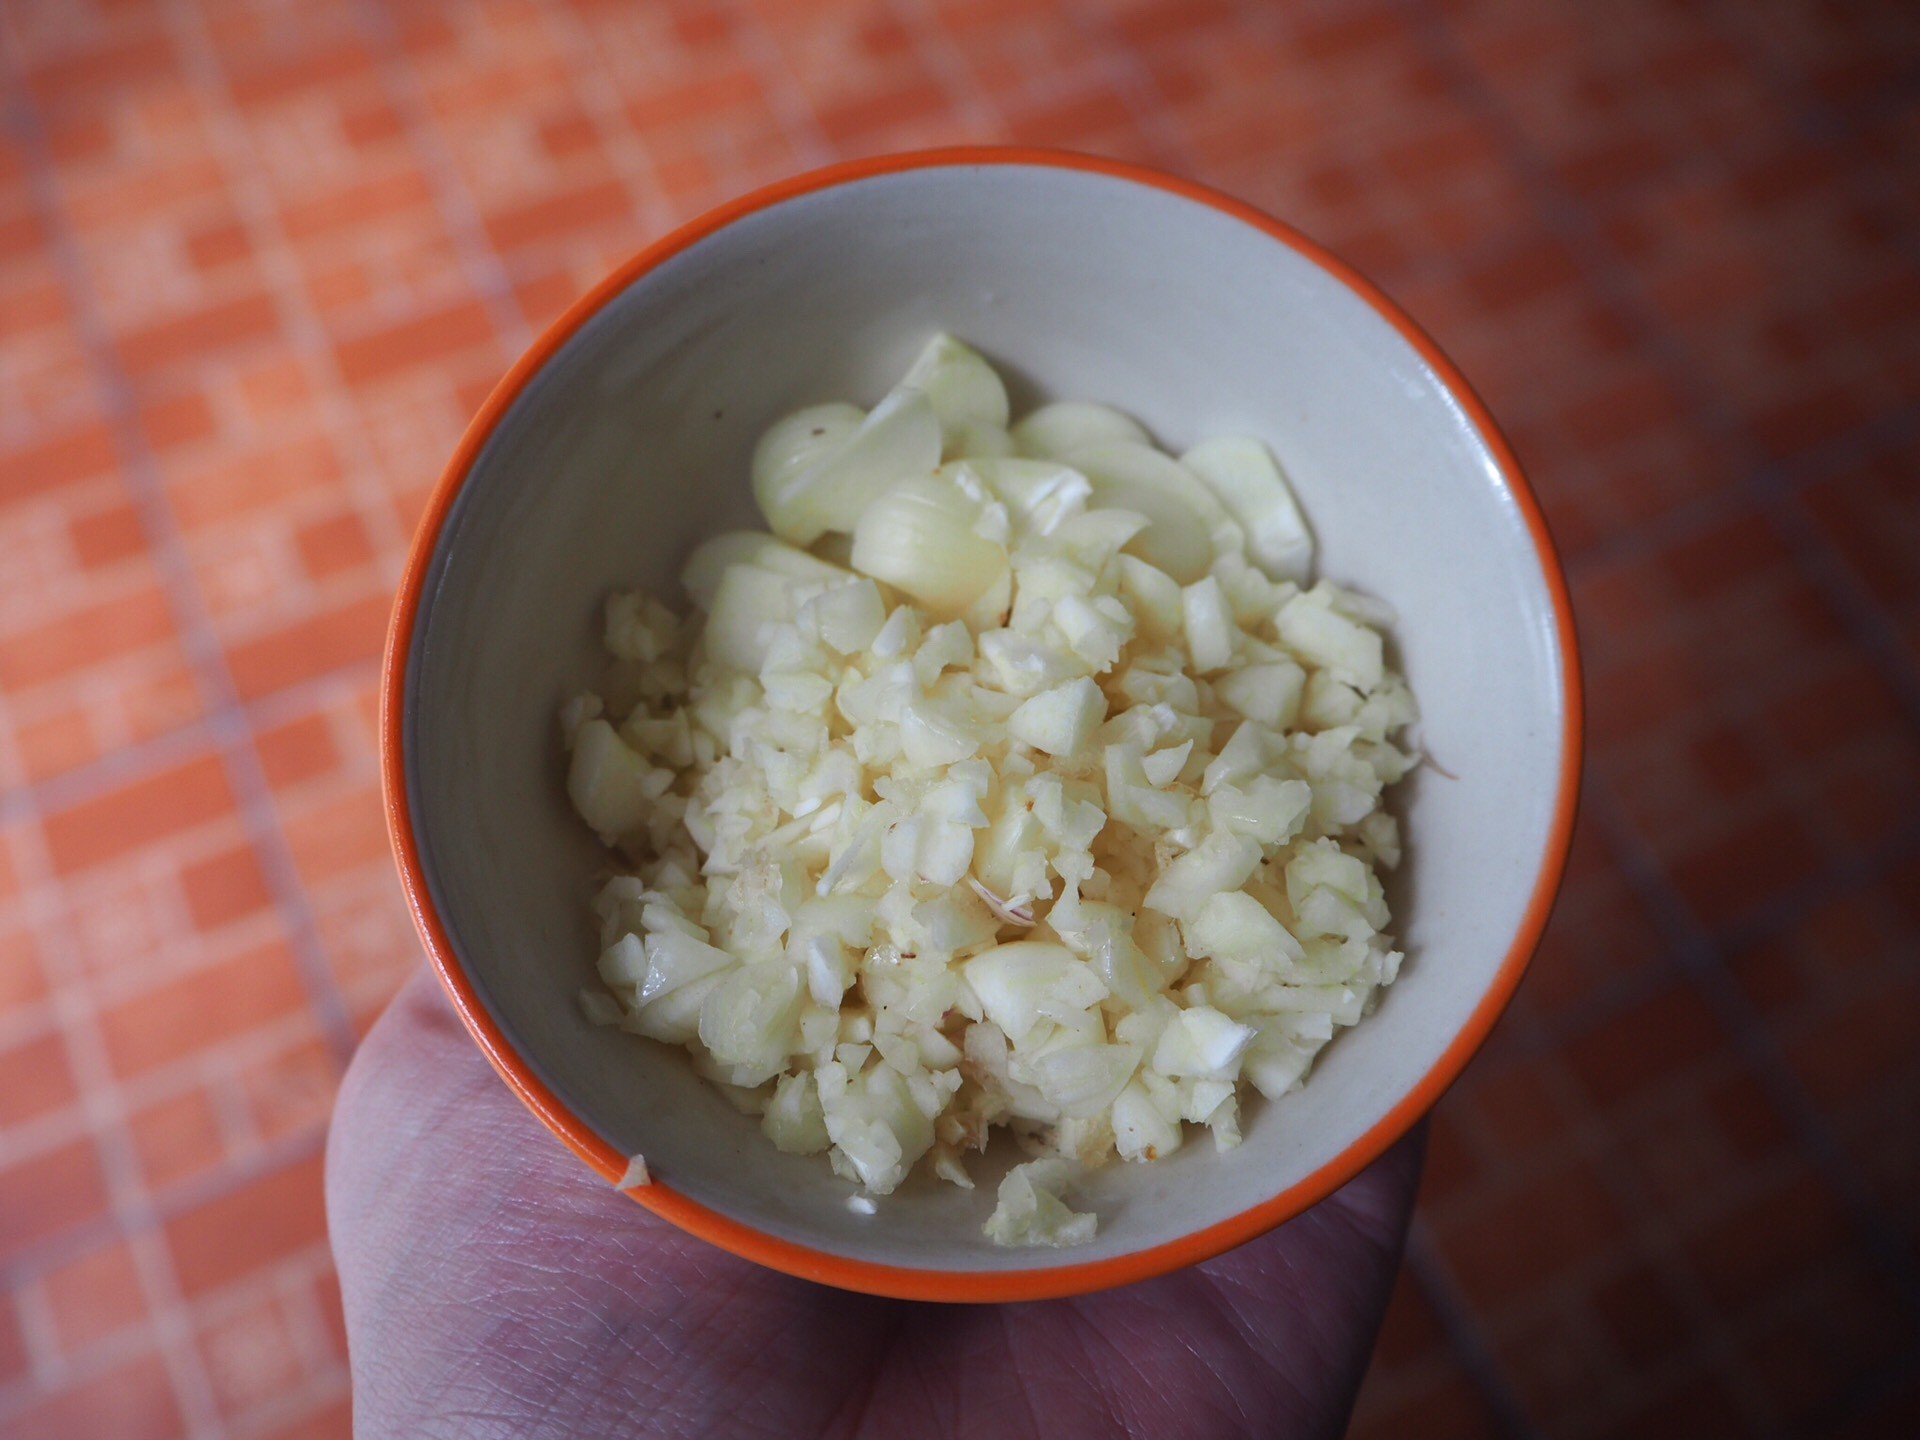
226	727
1465	1332
1654	1225
483	267
632	162
1824	120
785	92
129	1201
1775	916
77	1241
130	763
1464	1329
1695	955
1685	938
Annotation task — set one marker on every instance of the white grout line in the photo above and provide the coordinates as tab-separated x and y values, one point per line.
238	1134
597	86
1688	940
785	94
980	118
1465	1335
1138	90
226	724
241	163
46	1363
86	1049
483	269
67	1245
1822	120
1656	1231
314	696
131	1206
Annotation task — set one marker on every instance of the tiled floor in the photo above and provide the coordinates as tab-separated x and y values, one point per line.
258	261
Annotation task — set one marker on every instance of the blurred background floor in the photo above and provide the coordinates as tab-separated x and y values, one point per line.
259	262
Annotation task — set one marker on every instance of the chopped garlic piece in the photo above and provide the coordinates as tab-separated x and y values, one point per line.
1031	1212
1035	792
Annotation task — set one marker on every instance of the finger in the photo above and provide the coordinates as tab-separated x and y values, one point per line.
494	1286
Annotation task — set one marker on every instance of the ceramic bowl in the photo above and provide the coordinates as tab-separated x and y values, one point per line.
622	438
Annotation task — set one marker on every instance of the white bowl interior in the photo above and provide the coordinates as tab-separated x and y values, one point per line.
633	443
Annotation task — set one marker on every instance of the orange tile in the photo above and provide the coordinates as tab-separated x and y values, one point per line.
332	1421
1540	1225
1516	1100
21	983
1456	1164
1440	1404
94	1297
222	888
298	750
246	480
326	1298
1732	875
300	71
201	1009
1786	1229
319	217
158	697
210	247
1640	1314
174	420
368	938
132	195
1849	1055
38	306
307	648
1073	121
57	743
1841	1333
21	237
682	101
338	542
1645	1046
114	62
53	1191
370	123
34	1079
563	136
76	139
184	339
137	618
132	1402
1697	1404
1411	1331
855	120
542	297
106	535
423	340
177	1138
51	464
273	388
250	1357
138	814
263	1221
9	875
337	836
292	1091
14	1360
553	217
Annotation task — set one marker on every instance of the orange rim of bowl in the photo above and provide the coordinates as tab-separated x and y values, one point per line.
903	1281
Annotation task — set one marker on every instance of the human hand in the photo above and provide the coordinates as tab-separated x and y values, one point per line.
495	1287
